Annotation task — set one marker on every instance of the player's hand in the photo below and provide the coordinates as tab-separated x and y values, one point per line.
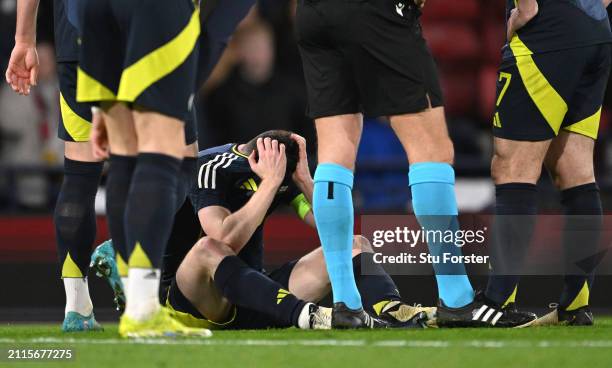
302	171
271	163
420	3
519	18
22	70
98	136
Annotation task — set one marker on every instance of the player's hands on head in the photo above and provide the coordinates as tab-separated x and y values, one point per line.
271	162
98	136
302	171
520	16
22	70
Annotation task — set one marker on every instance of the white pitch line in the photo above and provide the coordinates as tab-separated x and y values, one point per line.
489	344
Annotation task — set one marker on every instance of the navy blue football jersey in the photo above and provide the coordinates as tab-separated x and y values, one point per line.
225	179
562	24
65	14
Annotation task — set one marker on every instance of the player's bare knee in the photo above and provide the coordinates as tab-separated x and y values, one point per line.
361	244
565	178
210	252
511	169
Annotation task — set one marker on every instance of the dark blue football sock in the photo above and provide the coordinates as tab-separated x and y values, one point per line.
119	178
581	237
150	209
374	284
75	216
248	288
515	210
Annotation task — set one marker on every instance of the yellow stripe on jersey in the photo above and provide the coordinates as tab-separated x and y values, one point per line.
301	206
588	127
90	90
70	269
546	98
160	62
77	127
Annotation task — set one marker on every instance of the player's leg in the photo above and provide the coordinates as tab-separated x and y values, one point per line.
122	161
338	139
308	280
516	167
531	104
397	77
158	81
430	152
150	207
570	162
214	279
334	104
522	137
74	215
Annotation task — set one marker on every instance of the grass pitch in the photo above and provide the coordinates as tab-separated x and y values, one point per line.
533	347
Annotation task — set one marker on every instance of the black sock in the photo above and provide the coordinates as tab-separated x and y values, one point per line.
75	215
248	288
581	236
186	231
187	180
515	210
374	284
120	171
150	208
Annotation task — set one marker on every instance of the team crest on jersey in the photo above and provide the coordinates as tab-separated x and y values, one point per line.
399	8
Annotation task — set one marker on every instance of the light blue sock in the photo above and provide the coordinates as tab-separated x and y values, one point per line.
333	212
435	205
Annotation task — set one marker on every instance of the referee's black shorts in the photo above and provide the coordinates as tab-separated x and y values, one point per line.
142	52
365	56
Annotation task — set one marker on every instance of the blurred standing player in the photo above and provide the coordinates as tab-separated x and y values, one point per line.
138	61
218	20
550	90
370	57
74	218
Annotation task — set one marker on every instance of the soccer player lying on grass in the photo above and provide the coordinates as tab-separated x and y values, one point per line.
221	282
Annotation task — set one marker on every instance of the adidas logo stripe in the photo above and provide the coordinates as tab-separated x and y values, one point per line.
207	175
485	312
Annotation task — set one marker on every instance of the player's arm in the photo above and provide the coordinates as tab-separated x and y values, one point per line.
303	180
22	70
524	11
237	228
606	2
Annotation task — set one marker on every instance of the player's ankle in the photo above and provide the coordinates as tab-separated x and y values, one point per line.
142	310
304	317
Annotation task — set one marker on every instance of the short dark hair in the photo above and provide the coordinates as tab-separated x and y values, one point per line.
292	151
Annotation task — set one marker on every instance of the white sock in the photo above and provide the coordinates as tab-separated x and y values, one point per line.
77	296
142	293
304	317
124	281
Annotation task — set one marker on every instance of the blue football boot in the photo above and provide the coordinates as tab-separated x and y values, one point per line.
103	262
